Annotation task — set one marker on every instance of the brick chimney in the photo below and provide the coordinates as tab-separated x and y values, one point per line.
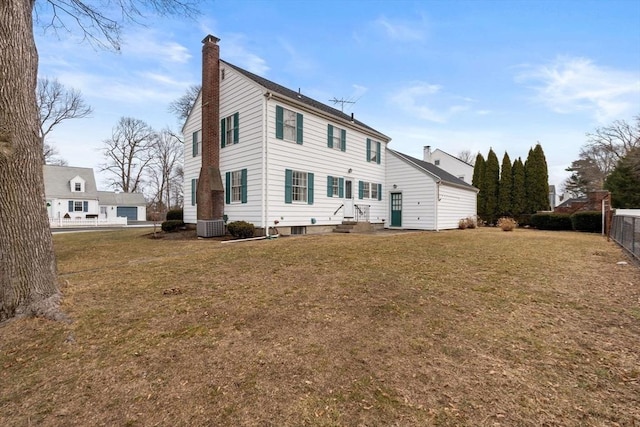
210	191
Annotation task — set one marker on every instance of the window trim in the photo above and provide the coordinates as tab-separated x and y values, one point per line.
371	152
289	187
331	138
229	187
234	131
196	143
280	125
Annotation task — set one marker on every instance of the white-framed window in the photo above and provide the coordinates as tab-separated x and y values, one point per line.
436	162
299	186
196	143
335	186
370	190
236	186
230	130
336	138
77	206
78	186
288	125
373	151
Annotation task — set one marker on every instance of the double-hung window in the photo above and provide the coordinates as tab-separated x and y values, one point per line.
335	186
288	125
196	143
230	130
77	206
373	151
236	186
369	190
298	187
78	186
194	191
336	138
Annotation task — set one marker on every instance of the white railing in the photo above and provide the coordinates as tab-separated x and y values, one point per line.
83	222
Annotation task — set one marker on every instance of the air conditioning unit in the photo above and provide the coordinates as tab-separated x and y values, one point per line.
210	228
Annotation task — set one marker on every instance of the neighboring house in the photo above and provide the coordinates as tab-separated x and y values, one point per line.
593	202
70	192
424	196
285	157
552	196
456	167
133	206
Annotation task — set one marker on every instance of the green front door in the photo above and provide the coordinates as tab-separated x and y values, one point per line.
396	209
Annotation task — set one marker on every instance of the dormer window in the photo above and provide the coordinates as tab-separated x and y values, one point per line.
78	186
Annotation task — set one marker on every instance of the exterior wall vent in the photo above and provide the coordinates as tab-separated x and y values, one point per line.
210	228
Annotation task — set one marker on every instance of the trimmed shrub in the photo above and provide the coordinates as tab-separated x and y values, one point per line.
589	221
523	220
468	222
551	221
507	224
172	225
175	214
241	229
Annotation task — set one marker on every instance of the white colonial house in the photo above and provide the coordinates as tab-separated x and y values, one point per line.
288	158
72	198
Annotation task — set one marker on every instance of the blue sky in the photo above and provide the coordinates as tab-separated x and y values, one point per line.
456	75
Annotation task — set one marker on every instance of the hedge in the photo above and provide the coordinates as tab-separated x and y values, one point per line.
241	229
589	221
172	225
551	221
175	214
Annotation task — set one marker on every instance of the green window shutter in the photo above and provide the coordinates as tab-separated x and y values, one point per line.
378	152
368	151
244	186
343	140
85	206
70	206
227	187
279	122
236	128
329	136
379	191
288	185
193	191
299	128
360	189
329	185
310	188
194	144
341	187
223	133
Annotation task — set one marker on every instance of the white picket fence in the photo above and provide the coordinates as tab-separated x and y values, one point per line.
93	222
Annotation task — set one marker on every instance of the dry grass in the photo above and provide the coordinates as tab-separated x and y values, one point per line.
474	327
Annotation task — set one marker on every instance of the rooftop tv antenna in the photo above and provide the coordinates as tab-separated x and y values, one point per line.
341	101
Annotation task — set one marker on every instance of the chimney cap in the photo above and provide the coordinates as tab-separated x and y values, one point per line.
210	39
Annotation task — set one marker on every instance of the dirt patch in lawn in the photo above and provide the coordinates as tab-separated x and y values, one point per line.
458	328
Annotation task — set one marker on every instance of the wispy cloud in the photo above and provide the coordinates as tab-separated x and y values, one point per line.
569	85
148	44
403	31
428	102
235	51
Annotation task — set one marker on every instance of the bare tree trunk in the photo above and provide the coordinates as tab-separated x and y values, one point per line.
28	279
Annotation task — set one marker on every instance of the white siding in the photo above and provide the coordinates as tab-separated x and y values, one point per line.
451	164
315	156
418	194
60	207
455	204
191	164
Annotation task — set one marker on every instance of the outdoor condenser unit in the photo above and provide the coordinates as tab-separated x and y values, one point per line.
210	228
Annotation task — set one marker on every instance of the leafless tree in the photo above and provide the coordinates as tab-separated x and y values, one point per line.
182	106
56	104
605	147
51	157
167	157
128	154
28	277
467	156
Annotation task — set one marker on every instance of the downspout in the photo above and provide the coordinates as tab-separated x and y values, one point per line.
265	172
437	202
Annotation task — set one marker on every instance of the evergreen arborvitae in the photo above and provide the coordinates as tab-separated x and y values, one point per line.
505	187
536	180
518	194
529	184
478	178
490	187
624	181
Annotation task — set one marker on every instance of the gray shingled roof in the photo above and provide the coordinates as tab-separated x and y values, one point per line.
110	198
434	170
57	178
296	96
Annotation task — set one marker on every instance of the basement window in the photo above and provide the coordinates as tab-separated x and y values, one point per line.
300	229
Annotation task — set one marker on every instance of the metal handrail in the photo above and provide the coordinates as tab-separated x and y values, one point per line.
341	206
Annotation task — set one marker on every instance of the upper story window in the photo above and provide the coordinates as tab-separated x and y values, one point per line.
236	186
436	162
288	125
229	130
78	186
336	138
196	143
373	151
